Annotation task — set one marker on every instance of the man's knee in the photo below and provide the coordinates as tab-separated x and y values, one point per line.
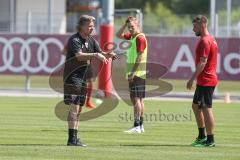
207	110
137	100
74	109
195	106
79	110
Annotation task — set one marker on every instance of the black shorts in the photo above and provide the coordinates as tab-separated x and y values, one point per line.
75	90
203	96
137	87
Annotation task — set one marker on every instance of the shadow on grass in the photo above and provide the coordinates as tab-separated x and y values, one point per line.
152	145
121	145
81	131
29	145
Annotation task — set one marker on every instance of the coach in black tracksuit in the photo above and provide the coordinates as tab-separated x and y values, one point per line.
82	47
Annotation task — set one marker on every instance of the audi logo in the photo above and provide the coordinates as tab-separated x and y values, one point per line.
42	56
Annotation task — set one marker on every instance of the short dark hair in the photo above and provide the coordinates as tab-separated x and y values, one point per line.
84	19
200	19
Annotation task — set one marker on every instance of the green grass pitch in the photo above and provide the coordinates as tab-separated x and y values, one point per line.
29	129
18	81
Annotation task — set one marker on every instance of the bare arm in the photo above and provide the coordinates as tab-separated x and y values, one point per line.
199	69
120	33
88	56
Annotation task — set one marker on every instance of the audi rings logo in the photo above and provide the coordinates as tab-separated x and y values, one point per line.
26	56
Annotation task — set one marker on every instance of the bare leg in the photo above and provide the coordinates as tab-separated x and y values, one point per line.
209	120
198	116
142	108
137	111
73	116
141	115
78	117
73	124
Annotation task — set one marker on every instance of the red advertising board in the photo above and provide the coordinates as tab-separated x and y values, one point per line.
178	54
41	54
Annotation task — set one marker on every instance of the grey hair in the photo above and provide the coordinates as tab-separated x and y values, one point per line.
84	19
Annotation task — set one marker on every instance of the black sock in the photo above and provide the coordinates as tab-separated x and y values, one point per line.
141	121
201	133
72	134
136	122
210	138
75	133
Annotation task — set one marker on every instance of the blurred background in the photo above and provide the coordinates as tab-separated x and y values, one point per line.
33	34
160	17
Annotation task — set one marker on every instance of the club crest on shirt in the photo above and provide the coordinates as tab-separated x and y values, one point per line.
86	44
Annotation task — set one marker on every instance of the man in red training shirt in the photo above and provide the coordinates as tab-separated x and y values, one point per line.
205	74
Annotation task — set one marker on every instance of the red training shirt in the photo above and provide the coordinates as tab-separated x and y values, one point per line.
207	47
